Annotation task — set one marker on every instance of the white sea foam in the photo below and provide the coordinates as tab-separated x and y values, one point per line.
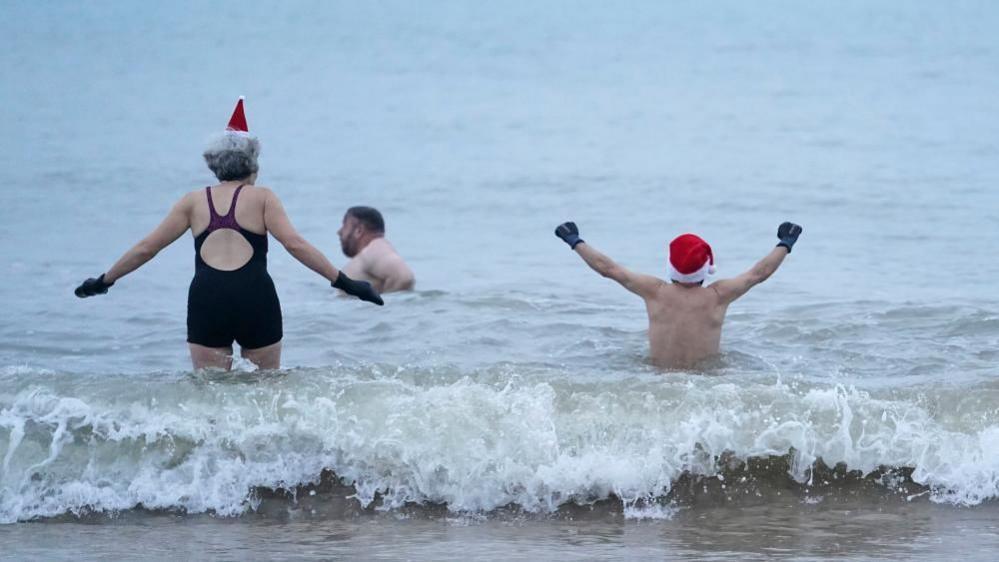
471	441
653	511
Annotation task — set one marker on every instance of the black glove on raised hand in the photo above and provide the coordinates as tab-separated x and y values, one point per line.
360	289
92	287
568	232
788	233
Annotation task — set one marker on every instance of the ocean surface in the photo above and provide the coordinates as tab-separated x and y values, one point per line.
506	408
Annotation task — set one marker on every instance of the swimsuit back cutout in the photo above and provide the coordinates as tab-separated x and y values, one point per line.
217	222
229	220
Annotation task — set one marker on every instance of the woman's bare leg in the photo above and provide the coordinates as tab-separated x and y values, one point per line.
210	357
267	357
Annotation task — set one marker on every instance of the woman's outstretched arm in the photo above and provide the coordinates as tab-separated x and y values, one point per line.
277	223
176	223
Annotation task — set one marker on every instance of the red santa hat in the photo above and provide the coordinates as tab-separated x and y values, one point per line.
690	259
237	123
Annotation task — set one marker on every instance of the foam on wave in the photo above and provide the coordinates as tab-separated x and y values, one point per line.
474	442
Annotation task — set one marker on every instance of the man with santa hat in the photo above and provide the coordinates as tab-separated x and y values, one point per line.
685	317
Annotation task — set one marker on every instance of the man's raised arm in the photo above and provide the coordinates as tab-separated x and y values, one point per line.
641	285
731	289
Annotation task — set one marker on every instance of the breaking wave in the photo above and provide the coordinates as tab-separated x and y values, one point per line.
536	439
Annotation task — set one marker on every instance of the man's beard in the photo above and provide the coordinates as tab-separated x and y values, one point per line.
347	248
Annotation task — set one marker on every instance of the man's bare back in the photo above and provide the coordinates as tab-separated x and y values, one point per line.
382	266
685	324
685	318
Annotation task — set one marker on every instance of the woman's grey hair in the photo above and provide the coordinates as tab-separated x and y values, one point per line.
232	156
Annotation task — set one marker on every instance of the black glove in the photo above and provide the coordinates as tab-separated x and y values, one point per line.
92	287
360	289
568	232
788	233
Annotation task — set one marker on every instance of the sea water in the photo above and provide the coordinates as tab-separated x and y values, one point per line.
506	408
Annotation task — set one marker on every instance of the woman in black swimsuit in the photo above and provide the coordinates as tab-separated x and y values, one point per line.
232	297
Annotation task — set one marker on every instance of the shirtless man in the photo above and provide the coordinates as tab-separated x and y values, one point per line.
362	238
685	317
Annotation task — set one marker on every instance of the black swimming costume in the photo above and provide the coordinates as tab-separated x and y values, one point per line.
240	305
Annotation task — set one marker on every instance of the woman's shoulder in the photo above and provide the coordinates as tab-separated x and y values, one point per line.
196	192
260	192
249	192
191	196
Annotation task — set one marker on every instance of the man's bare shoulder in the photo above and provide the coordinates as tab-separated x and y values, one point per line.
652	287
721	287
379	248
715	284
677	291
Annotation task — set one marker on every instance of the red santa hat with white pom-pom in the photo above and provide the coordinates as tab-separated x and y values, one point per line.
690	259
237	123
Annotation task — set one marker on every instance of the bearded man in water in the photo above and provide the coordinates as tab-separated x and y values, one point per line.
685	317
373	258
